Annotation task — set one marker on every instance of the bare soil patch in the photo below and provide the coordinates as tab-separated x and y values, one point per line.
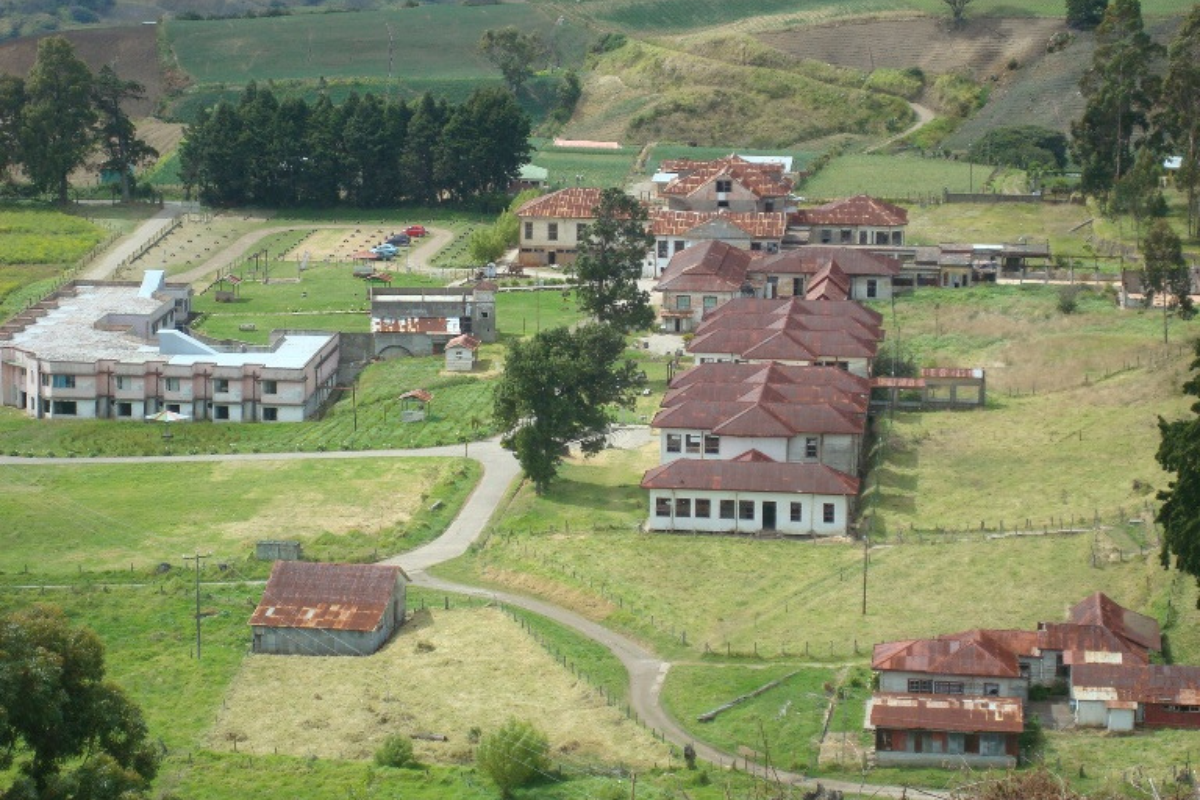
445	672
983	46
132	51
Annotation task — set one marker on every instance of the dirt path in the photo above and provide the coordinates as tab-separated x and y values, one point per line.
924	117
110	262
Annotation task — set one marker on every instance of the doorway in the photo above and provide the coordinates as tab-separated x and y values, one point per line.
768	515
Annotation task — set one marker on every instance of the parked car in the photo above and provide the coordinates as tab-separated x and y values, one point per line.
399	239
385	251
416	231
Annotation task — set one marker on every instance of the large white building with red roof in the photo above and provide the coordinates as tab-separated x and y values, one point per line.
552	226
732	183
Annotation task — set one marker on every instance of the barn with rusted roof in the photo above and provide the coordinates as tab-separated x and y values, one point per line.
328	609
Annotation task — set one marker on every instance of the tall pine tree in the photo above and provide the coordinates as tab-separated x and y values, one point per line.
1180	117
59	116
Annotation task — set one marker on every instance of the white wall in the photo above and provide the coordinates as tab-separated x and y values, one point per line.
896	681
811	516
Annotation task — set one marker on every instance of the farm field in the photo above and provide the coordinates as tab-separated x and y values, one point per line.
898	178
136	516
576	166
661	152
1062	225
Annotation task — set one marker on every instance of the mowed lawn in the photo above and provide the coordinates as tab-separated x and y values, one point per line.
95	517
897	177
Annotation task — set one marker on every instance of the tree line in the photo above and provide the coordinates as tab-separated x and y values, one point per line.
367	152
54	120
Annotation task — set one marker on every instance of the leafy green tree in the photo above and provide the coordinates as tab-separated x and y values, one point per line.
1120	90
483	145
322	163
1181	112
12	109
396	751
57	126
420	147
1166	273
958	10
609	262
68	732
513	755
557	389
1085	13
1179	514
118	139
1021	146
517	55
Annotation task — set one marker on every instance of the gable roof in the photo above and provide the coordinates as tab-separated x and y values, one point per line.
711	266
829	284
773	375
757	225
346	597
1147	683
750	476
973	653
812	259
856	211
947	713
760	179
1075	641
797	307
1100	609
574	203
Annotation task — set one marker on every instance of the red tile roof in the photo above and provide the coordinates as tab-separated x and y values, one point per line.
947	713
787	345
711	266
750	476
763	180
797	306
763	393
855	211
829	284
349	597
579	203
771	375
812	259
769	225
1100	609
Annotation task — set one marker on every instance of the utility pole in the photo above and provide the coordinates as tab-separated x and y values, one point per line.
866	560
197	559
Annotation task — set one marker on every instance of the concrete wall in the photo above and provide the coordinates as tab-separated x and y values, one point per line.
811	521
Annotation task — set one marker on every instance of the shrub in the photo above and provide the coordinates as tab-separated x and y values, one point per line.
956	94
513	756
397	751
1068	299
894	81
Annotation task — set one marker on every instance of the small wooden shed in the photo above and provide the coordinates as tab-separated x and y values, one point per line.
460	353
328	609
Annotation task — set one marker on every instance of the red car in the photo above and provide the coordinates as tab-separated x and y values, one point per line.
416	230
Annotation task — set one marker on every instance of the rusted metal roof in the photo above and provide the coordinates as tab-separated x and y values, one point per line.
971	653
347	597
884	382
1143	683
1075	640
1100	609
448	325
812	259
858	210
750	476
575	203
757	225
966	373
964	714
417	394
465	340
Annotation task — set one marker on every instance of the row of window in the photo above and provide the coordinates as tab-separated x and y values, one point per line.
552	231
927	686
984	744
846	236
701	507
691	443
683	302
70	408
125	382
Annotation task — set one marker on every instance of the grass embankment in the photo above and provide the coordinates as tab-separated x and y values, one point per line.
896	177
63	520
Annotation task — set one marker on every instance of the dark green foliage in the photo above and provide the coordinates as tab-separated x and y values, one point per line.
1120	89
1085	13
1068	299
396	751
569	92
12	109
1165	272
117	136
609	262
517	55
608	42
56	127
68	731
1031	744
958	9
1180	116
1021	146
369	152
1179	515
513	756
557	389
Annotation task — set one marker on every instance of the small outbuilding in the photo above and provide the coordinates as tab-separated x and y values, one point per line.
460	353
328	609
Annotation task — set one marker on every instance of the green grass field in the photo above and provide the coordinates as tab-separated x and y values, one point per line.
571	166
661	152
112	517
896	177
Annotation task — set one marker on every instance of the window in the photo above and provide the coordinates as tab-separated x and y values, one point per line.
991	690
746	509
692	443
948	687
862	237
703	508
916	686
897	238
664	248
124	409
829	513
726	509
846	236
872	287
62	381
712	445
710	301
175	407
221	385
64	408
683	506
270	387
674	443
954	744
221	412
662	507
683	302
552	231
270	414
991	744
826	236
722	204
811	447
797	512
883	740
172	384
881	237
580	231
124	382
724	185
769	205
679	245
755	246
528	230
